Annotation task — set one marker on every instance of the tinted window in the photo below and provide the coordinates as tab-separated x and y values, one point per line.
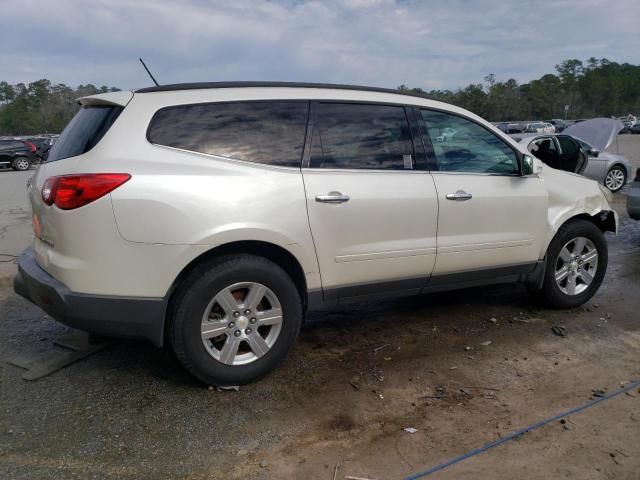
545	150
361	137
84	131
461	145
261	132
568	145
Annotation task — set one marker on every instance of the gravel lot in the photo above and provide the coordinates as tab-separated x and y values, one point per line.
358	376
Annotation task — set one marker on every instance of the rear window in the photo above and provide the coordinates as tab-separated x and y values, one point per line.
271	132
84	131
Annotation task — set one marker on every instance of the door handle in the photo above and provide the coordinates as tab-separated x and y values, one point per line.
460	196
332	197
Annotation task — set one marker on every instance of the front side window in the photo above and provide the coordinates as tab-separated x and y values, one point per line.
360	136
460	145
262	132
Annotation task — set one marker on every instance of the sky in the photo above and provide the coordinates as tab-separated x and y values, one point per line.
431	44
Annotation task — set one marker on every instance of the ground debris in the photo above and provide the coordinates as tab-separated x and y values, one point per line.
228	388
559	330
377	349
598	393
486	344
493	320
410	429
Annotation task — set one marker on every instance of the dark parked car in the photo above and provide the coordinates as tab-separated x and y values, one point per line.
17	154
635	128
633	198
42	144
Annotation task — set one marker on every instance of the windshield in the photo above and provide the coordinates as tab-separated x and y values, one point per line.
84	131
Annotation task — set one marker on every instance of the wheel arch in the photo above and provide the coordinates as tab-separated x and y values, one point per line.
605	220
277	254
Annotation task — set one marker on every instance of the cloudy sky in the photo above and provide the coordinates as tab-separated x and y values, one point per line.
424	43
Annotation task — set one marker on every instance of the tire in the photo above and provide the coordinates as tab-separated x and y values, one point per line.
616	178
565	251
206	302
21	164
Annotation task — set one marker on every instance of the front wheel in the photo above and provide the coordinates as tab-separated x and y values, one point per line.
21	164
576	263
235	319
615	179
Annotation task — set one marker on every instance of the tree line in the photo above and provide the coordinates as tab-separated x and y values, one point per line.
40	107
597	87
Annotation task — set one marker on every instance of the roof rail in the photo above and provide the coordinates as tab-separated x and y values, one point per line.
204	85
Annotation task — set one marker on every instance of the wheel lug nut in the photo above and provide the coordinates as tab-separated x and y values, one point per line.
253	320
236	314
247	311
231	324
248	330
237	333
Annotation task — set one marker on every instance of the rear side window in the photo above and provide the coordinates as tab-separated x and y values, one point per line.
84	131
271	133
359	136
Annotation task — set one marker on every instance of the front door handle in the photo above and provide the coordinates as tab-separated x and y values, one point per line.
460	196
332	197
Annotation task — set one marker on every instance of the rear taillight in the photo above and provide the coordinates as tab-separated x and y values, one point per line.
31	146
72	191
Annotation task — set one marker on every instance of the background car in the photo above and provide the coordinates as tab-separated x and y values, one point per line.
608	168
635	128
633	198
17	154
558	124
540	127
561	152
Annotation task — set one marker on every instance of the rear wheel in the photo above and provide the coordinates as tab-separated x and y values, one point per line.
576	263
616	178
21	164
235	319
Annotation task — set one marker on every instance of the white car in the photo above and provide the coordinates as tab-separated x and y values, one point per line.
540	127
214	216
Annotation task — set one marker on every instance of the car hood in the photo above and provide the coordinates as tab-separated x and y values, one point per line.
598	132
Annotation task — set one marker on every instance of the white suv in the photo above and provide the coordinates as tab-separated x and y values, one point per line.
213	216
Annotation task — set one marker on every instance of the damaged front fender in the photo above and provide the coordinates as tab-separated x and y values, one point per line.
573	196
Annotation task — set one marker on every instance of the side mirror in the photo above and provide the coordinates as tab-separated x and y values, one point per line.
593	153
530	166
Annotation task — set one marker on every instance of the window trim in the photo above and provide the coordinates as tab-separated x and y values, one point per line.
418	154
432	160
232	159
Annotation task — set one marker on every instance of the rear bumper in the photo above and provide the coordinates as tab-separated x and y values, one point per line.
127	317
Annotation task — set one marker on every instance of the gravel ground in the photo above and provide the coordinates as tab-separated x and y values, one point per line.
358	376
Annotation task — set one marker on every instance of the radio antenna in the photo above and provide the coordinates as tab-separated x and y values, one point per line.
145	67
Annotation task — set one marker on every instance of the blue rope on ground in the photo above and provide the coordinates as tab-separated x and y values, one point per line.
522	431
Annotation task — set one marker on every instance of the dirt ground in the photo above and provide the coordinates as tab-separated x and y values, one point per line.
357	377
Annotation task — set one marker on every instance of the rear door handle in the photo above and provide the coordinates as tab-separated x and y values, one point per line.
459	196
332	197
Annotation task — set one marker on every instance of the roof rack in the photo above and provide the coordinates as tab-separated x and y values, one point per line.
203	85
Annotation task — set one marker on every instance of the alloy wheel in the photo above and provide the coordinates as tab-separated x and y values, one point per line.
22	164
576	266
241	323
614	179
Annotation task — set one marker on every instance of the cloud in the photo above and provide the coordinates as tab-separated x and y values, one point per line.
373	42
